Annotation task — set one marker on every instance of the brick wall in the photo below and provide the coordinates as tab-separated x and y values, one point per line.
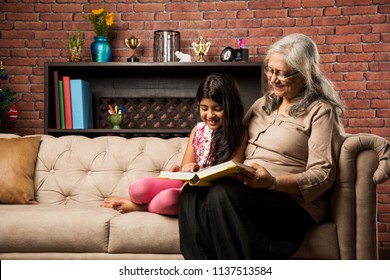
353	37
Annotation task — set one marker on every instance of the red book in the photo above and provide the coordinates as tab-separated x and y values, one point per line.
67	102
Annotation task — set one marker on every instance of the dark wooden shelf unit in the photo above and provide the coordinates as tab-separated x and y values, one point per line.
167	86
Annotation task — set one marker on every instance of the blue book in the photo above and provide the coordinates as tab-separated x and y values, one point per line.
81	98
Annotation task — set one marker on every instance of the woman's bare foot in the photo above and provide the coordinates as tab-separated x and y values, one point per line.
125	206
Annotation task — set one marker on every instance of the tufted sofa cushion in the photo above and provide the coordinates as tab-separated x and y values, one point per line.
78	170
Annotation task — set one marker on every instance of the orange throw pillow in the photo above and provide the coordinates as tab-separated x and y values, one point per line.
17	166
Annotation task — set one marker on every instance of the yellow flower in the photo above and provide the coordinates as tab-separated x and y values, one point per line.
110	19
98	12
101	20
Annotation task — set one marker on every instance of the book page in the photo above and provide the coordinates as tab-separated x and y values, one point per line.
185	176
222	170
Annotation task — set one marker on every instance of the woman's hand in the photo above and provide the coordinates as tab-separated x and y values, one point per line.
260	178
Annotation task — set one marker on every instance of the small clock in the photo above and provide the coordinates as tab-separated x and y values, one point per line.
228	54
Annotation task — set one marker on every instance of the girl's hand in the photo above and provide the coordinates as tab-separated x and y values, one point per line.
174	168
260	178
190	167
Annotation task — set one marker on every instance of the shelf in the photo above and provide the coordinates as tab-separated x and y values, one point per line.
165	85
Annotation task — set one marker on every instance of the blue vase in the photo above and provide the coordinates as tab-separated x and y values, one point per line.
101	49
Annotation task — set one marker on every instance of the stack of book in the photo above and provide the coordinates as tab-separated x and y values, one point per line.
73	101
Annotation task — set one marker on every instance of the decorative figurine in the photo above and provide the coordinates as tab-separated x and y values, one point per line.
13	113
201	48
241	53
132	43
183	57
240	42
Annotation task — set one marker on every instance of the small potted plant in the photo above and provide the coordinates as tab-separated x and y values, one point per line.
75	44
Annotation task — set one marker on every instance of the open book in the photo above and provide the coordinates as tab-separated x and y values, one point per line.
206	176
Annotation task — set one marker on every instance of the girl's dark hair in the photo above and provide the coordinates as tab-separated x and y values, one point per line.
224	90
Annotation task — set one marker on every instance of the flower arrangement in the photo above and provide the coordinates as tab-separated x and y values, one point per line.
101	20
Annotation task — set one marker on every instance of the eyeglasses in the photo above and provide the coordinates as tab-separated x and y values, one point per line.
269	72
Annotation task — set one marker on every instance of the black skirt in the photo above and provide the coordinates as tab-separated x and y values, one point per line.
231	221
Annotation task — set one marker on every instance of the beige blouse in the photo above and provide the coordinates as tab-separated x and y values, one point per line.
307	145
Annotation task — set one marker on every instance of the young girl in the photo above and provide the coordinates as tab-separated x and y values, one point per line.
220	137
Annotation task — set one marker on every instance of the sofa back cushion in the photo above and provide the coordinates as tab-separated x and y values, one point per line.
81	170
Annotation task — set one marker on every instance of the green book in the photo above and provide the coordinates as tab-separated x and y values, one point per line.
61	99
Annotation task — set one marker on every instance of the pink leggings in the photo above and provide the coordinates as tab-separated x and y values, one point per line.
161	195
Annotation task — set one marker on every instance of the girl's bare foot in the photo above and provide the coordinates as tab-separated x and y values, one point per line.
125	206
108	202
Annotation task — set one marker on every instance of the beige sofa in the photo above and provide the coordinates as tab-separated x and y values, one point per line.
73	174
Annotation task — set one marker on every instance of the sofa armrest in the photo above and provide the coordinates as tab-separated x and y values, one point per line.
363	163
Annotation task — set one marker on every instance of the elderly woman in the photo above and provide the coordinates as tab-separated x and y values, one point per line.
295	134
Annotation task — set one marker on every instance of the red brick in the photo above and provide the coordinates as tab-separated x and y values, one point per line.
380	104
355	57
371	38
245	14
384	218
304	22
147	7
377	48
350	85
16	7
377	76
312	13
374	94
384	114
326	30
186	16
380	66
207	6
380	28
343	39
384	237
316	3
359	10
265	4
366	122
239	5
261	14
353	48
369	19
358	113
378	85
332	11
333	21
220	15
124	8
384	132
181	7
356	76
